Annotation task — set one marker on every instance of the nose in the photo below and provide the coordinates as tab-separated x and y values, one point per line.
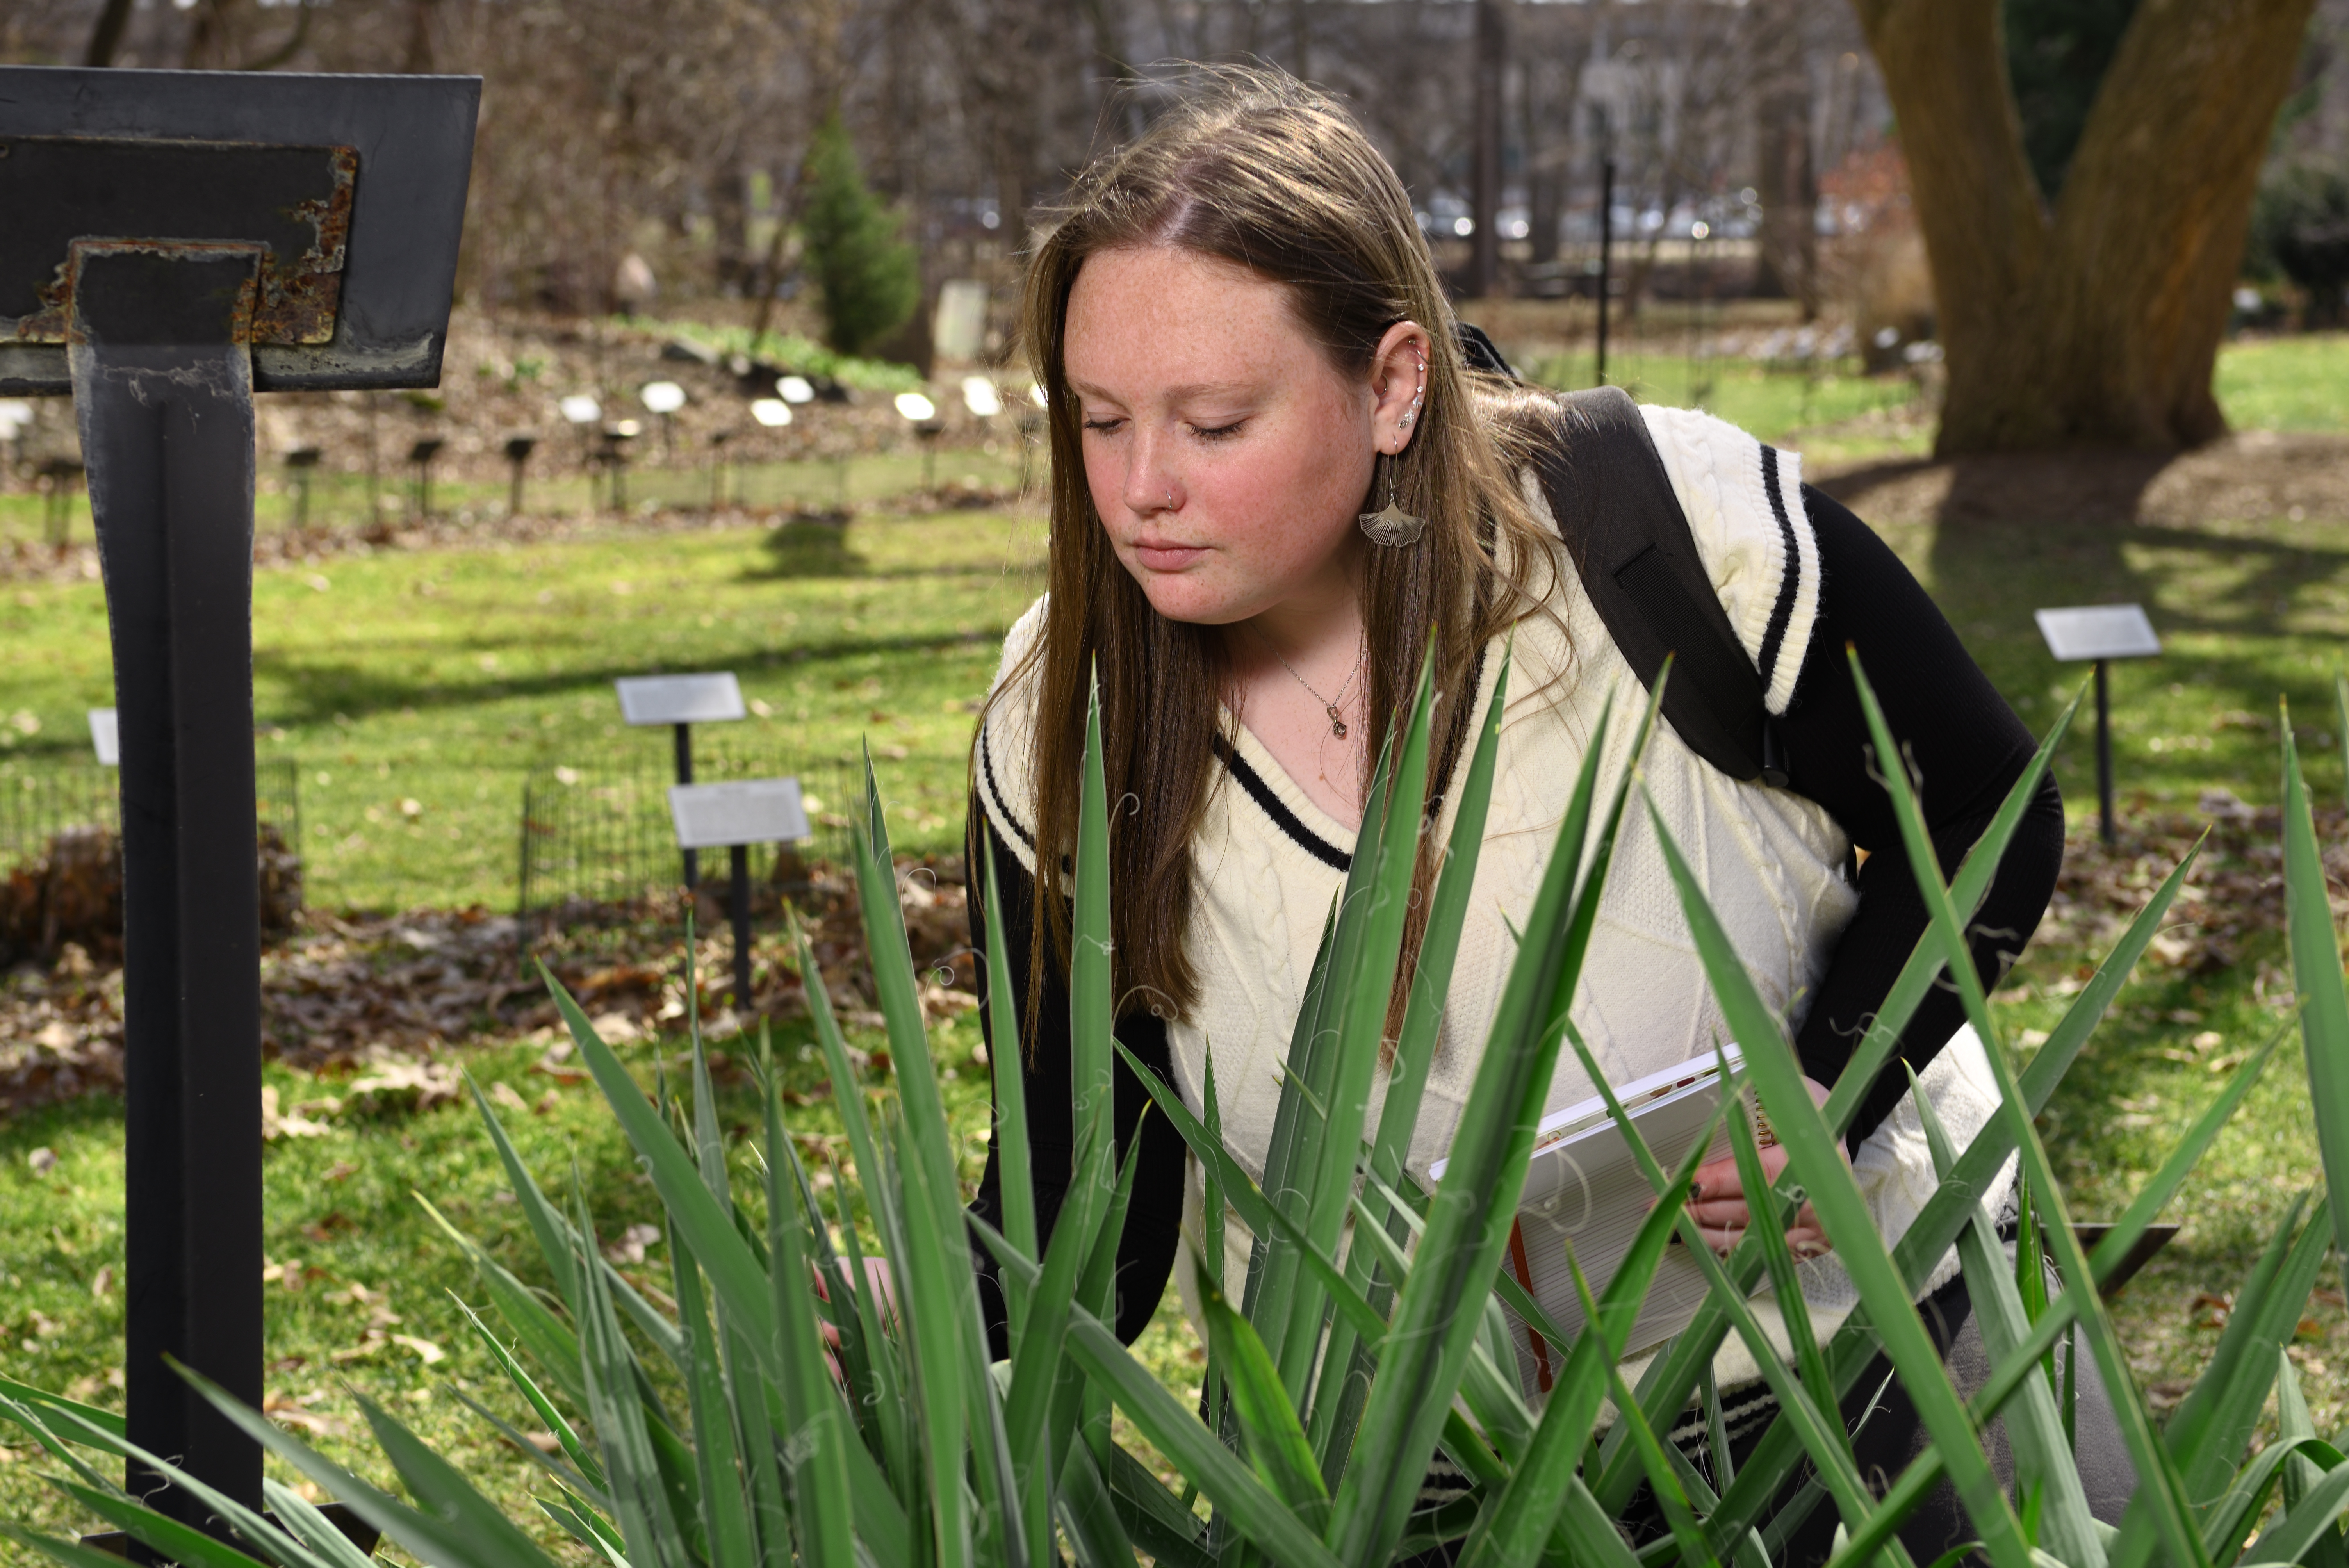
1151	485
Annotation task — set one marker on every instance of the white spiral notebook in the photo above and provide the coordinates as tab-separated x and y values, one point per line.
1584	1189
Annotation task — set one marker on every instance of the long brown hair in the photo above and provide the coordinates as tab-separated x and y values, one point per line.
1256	170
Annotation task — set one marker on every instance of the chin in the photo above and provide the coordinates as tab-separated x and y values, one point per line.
1191	604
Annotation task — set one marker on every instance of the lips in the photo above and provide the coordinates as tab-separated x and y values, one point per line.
1165	554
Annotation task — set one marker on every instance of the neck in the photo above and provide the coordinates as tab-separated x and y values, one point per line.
1320	630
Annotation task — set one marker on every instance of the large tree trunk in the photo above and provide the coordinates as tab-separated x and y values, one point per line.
1786	174
2099	324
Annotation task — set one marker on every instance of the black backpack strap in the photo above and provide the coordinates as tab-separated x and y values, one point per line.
1630	540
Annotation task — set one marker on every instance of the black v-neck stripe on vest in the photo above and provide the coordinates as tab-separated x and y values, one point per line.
1789	580
995	789
1287	820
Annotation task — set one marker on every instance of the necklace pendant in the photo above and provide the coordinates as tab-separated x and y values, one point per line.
1337	722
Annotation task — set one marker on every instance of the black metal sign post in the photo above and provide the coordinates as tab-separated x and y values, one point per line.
732	817
163	390
173	242
681	702
2102	633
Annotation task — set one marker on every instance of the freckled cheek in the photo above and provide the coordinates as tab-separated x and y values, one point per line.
1105	479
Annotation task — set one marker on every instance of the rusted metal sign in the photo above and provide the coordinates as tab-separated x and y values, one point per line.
354	186
63	193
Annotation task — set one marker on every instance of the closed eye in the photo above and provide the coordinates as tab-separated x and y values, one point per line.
1103	426
1216	432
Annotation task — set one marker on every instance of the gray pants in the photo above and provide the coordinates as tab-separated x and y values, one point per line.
1885	1439
1894	1435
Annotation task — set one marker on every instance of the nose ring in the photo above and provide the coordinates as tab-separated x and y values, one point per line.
1170	499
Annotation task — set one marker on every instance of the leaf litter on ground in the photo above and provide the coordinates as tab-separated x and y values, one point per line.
379	1005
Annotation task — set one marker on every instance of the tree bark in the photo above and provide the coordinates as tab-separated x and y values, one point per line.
107	36
1786	175
418	60
2098	323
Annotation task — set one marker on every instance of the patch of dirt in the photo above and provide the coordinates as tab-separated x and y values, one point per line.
2253	474
382	1000
2235	890
73	893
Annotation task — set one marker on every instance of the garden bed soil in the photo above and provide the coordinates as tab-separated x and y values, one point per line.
388	1001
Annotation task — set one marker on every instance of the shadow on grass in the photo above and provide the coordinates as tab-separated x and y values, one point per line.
2063	520
318	689
816	546
810	547
2249	603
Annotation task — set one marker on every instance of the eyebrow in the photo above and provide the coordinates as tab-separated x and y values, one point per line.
1177	394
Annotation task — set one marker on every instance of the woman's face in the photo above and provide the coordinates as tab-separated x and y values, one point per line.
1227	455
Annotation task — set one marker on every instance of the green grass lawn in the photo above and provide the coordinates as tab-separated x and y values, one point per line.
557	485
438	679
360	1300
2249	611
2296	382
1811	412
1831	414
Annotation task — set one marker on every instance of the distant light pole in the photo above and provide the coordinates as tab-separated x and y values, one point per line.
518	450
302	462
421	454
583	413
1605	249
1491	51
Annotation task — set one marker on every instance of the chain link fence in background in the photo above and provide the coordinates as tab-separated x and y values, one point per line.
61	859
598	843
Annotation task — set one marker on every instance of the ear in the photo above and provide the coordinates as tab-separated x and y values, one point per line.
1398	380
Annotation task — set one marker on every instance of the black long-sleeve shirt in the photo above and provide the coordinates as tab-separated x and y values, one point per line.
1966	744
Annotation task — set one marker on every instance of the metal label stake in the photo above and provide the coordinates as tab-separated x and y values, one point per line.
681	702
732	817
2102	633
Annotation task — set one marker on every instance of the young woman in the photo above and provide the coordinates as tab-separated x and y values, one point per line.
1273	474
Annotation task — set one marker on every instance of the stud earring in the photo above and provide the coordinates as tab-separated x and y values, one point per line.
1391	525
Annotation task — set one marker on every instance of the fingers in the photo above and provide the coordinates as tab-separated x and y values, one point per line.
1722	1239
1723	1225
878	1279
1715	1179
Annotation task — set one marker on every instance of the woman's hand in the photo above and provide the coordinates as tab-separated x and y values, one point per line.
1717	1199
878	1281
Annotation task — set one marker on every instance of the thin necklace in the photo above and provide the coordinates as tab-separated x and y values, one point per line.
1337	719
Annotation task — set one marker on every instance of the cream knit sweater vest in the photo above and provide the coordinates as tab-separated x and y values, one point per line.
1269	862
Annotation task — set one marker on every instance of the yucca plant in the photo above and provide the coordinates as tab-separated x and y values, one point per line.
766	1421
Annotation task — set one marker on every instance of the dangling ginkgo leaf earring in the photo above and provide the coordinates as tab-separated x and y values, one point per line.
1391	526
